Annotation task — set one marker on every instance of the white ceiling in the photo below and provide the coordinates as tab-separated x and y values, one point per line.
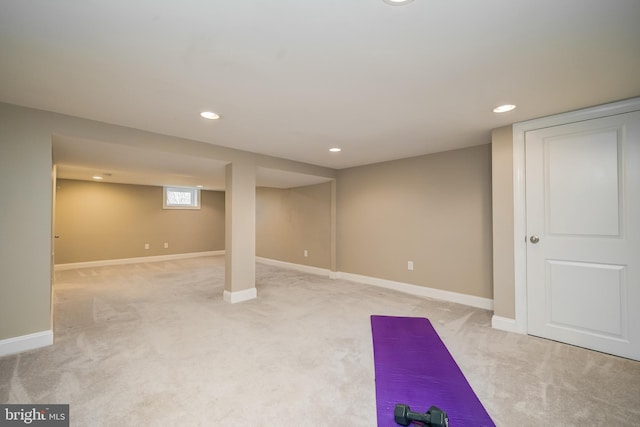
293	78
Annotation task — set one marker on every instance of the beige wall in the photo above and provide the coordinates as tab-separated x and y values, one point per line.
288	221
434	210
25	226
26	200
503	256
101	221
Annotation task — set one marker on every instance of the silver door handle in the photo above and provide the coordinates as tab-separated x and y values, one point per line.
534	239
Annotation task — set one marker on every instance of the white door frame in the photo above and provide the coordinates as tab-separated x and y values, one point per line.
519	201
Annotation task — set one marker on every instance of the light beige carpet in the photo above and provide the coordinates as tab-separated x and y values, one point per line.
153	344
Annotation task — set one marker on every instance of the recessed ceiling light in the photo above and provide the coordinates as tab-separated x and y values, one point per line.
97	177
199	186
210	115
504	108
335	149
397	2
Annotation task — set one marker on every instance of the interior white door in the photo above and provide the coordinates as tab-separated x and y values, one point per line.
583	233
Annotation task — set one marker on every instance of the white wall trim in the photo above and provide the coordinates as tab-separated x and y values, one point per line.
25	342
240	296
299	267
121	261
519	229
422	291
519	200
470	300
504	324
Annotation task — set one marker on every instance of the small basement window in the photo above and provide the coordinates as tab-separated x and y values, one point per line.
181	198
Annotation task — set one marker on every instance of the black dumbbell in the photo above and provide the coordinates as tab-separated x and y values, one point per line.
435	416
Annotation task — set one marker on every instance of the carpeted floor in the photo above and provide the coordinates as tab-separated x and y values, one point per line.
153	344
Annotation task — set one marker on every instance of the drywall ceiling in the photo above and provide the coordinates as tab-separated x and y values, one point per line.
294	78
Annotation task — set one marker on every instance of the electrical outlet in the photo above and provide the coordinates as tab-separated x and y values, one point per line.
166	245
409	265
146	246
306	253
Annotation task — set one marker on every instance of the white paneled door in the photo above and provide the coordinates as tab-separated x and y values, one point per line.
583	233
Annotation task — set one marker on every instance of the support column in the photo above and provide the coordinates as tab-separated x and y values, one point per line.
333	270
240	232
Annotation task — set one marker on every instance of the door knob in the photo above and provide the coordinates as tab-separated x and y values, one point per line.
534	239
57	236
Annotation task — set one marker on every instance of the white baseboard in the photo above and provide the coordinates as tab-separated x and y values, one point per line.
299	267
505	324
470	300
25	342
422	291
121	261
240	296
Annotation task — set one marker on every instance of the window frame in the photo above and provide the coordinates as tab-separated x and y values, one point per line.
195	197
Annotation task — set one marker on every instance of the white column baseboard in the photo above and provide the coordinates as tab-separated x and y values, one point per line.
240	296
506	324
25	342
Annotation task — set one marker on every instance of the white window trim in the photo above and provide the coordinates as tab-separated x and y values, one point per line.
195	196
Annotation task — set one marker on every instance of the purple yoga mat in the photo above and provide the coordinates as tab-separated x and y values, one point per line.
413	366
